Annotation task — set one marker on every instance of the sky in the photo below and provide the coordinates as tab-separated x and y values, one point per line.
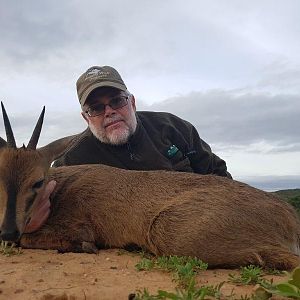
231	68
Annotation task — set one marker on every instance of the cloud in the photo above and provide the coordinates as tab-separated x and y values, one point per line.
280	75
228	119
202	40
232	122
161	49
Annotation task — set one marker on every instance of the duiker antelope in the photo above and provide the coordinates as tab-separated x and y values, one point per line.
221	221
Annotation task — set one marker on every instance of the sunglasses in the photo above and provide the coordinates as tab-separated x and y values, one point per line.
99	108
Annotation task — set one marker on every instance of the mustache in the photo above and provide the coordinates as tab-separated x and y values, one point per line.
112	120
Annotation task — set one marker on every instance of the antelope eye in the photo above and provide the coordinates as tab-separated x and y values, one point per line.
38	184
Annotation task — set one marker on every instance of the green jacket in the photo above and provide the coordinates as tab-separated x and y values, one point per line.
161	141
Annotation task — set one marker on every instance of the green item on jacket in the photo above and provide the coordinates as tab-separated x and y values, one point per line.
162	141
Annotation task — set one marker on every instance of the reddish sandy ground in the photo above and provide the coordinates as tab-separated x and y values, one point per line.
111	274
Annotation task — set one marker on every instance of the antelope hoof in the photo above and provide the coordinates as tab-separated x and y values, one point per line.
79	247
89	247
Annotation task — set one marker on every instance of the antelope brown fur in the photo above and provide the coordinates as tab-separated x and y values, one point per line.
223	222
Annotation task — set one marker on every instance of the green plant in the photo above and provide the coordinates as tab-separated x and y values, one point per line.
184	274
190	293
274	272
295	201
184	271
184	268
289	288
145	264
172	262
248	275
9	249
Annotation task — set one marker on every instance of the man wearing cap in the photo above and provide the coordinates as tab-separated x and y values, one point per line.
119	136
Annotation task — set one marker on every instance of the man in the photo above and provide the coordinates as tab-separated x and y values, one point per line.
119	136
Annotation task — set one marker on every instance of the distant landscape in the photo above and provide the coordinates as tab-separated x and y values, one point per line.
272	183
292	196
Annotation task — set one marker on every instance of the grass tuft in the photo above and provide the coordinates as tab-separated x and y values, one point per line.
184	268
190	293
9	249
249	275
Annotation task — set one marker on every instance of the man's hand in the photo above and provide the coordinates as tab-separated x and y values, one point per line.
41	209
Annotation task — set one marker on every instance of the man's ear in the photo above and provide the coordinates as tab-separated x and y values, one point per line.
133	102
85	117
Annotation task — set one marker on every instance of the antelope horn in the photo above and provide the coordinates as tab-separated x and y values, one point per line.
11	143
36	132
2	142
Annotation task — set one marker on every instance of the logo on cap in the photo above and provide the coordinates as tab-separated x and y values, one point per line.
94	72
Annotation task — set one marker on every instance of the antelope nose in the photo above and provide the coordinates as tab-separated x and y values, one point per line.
10	236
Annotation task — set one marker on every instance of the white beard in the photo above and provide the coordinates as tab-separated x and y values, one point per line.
118	136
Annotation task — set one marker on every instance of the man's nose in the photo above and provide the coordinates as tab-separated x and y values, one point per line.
108	110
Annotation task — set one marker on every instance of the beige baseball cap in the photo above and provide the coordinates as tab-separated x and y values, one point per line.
96	77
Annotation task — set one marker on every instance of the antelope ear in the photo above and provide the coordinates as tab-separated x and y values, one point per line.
2	143
58	148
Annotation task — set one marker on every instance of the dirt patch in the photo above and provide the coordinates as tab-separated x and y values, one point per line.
111	274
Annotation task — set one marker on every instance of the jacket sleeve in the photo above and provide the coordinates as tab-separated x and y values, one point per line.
67	158
60	162
202	159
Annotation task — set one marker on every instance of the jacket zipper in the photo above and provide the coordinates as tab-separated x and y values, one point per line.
130	151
